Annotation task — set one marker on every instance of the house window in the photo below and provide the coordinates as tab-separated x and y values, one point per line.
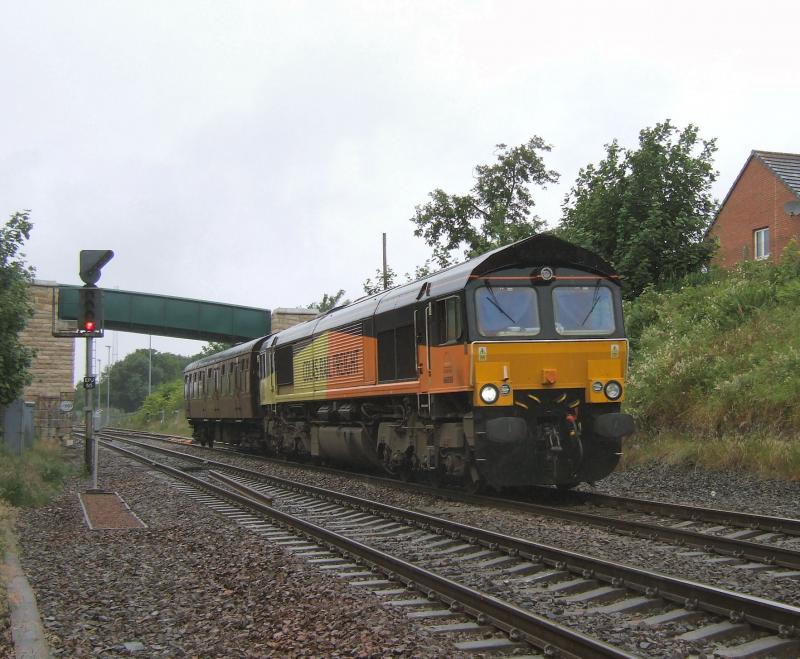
761	243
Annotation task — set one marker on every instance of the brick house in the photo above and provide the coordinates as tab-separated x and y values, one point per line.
761	212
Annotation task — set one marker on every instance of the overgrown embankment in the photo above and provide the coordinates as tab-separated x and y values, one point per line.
715	373
162	411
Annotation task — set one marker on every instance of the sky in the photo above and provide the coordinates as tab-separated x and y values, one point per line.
254	152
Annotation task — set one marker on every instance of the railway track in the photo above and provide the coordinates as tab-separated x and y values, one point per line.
503	566
481	612
755	542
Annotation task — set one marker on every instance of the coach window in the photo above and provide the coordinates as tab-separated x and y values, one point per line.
583	310
448	312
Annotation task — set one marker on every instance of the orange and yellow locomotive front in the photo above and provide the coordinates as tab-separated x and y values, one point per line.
548	411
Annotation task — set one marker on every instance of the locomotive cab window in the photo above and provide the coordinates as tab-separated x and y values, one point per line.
507	311
583	310
448	320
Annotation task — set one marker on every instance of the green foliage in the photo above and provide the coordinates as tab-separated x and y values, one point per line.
163	410
329	301
34	477
497	211
167	397
372	286
129	376
210	348
722	356
15	307
646	210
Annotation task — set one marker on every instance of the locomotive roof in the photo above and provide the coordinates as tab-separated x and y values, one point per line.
235	351
542	249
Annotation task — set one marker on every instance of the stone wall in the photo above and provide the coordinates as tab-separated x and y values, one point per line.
283	318
52	367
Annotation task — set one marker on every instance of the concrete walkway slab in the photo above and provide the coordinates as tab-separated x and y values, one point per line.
26	625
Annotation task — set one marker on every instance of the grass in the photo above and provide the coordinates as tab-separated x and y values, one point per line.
34	477
7	517
173	424
763	454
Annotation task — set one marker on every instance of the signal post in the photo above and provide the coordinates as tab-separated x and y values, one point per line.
90	325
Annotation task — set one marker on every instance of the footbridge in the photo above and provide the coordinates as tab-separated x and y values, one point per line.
183	318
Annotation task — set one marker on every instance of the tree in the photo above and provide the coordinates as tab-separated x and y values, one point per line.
497	211
211	348
646	210
129	376
377	285
328	301
15	307
372	286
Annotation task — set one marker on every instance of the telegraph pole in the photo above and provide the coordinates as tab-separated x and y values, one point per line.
385	270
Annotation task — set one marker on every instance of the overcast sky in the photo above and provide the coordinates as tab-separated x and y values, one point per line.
254	152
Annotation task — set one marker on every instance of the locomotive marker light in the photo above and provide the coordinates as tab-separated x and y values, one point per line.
90	324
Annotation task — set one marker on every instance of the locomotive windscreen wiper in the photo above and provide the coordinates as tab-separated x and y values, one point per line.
496	302
595	300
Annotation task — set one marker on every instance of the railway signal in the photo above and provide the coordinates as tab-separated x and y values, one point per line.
90	317
90	325
92	261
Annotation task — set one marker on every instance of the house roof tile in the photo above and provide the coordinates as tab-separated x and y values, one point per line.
786	166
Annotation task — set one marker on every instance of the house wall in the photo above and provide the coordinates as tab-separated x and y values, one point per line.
755	202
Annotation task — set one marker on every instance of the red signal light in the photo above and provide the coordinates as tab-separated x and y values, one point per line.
89	326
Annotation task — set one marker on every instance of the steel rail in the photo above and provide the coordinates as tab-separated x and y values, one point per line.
554	639
767	614
785	525
732	518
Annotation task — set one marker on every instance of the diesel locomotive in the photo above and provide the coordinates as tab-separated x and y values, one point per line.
507	370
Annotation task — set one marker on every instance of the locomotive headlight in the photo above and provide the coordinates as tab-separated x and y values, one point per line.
489	393
597	386
613	390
